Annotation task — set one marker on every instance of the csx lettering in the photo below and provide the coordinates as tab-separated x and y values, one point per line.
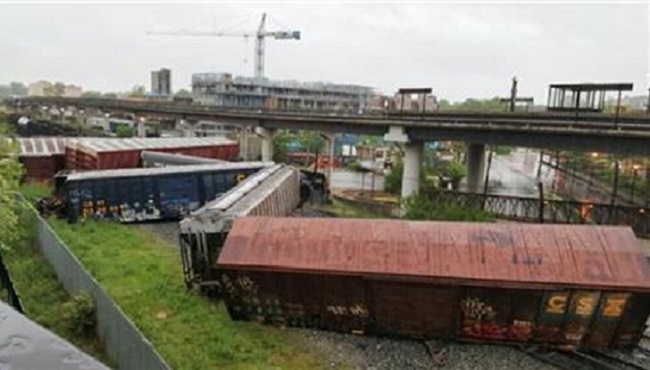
614	307
585	306
556	304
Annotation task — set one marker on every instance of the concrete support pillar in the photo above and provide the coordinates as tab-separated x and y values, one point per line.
413	151
267	135
329	152
475	167
243	143
141	128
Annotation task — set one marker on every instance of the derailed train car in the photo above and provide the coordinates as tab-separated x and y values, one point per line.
26	345
562	286
142	194
273	191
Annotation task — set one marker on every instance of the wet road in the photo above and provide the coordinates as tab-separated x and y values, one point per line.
516	174
342	179
513	174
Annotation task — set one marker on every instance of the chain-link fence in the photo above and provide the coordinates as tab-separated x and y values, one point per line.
122	340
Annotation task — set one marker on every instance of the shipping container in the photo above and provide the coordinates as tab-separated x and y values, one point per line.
42	157
110	153
143	194
273	191
557	285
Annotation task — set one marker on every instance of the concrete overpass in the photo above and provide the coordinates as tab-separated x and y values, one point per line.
625	135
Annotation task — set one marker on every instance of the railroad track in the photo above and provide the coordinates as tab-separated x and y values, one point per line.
577	360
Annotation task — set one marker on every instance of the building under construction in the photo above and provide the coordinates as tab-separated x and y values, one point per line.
224	90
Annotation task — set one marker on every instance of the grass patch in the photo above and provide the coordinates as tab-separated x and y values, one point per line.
144	276
44	299
35	191
346	210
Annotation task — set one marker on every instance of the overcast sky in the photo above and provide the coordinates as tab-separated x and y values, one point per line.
465	50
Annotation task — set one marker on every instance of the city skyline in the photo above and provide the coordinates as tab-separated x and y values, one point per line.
460	51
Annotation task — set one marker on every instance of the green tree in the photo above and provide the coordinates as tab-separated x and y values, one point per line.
137	91
393	181
109	95
183	93
11	172
124	131
280	142
311	141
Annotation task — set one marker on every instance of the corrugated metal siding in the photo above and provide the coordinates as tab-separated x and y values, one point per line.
111	153
98	145
40	146
480	254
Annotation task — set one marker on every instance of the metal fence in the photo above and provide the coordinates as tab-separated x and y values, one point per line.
122	340
529	209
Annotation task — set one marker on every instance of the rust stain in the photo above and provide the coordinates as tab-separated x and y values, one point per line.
585	255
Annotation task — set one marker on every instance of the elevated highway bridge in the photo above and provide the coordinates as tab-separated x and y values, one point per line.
563	131
585	132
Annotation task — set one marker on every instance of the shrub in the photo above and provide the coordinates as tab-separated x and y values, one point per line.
79	315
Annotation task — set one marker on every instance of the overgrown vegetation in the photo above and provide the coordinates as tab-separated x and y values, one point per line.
427	207
79	316
10	173
43	298
143	275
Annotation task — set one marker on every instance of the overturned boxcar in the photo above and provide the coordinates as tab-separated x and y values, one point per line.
557	285
273	191
143	194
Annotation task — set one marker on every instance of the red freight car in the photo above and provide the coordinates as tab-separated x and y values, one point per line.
558	285
111	153
42	157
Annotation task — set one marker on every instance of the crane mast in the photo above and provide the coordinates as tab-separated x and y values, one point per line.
260	39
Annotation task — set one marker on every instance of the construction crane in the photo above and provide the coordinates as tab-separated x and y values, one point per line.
260	35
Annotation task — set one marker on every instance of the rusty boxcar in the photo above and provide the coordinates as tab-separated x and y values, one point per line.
111	153
42	157
564	286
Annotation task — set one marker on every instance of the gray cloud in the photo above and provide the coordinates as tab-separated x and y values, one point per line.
465	50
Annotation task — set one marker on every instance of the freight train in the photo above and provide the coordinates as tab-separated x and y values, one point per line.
568	287
273	191
143	194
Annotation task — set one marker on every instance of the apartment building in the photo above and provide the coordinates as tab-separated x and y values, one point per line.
224	90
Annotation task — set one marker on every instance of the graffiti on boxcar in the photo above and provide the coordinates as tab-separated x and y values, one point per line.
479	321
124	212
499	238
358	310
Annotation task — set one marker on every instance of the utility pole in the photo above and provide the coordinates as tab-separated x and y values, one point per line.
513	94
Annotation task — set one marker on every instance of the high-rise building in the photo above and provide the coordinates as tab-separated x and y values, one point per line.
161	82
224	90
